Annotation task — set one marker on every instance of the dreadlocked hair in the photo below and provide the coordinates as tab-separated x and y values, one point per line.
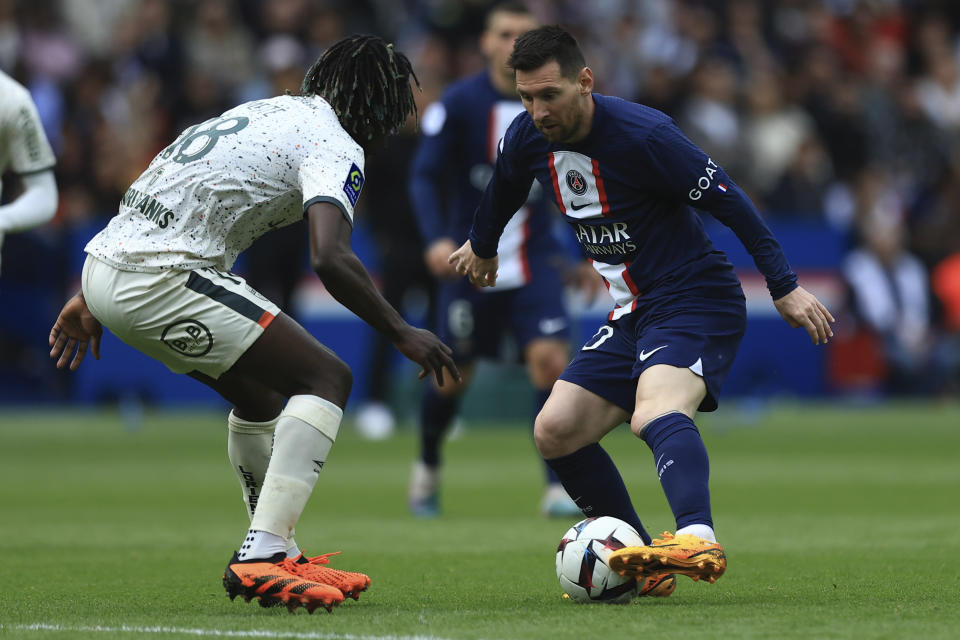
367	82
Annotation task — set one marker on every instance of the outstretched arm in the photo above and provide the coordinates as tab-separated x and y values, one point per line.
348	281
74	329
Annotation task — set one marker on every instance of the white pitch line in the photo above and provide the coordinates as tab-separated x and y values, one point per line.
214	633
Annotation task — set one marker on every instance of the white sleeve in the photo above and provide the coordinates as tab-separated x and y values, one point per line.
28	145
35	206
334	176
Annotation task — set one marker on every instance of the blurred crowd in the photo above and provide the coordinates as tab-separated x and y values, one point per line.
839	112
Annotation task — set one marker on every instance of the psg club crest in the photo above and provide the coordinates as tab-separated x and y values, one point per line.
576	182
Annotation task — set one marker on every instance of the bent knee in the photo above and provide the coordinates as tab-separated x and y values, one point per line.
259	407
553	436
331	380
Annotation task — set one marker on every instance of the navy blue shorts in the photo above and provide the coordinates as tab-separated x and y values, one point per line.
474	322
701	333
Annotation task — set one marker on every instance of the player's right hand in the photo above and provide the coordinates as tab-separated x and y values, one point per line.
429	352
74	330
480	271
437	259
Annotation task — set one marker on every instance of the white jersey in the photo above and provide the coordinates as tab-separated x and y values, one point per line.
224	183
24	148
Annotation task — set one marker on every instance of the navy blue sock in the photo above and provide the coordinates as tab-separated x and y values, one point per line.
592	480
540	398
436	414
683	467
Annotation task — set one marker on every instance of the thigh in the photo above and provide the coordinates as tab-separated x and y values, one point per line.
604	365
288	360
663	389
572	418
201	320
701	335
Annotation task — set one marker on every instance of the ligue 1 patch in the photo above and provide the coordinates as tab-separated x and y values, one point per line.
354	184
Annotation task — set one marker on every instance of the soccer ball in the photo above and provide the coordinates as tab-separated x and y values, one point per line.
582	560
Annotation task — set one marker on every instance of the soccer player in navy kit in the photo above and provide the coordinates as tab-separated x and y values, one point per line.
627	181
451	168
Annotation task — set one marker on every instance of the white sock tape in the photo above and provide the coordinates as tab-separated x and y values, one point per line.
322	415
239	425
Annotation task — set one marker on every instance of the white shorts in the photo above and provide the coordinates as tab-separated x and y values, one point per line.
201	320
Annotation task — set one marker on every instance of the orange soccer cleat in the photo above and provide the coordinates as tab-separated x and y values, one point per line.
349	582
275	581
685	554
659	585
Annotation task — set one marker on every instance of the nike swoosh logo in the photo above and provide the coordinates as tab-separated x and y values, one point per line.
552	325
577	207
644	355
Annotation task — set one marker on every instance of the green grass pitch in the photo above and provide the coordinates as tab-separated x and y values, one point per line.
839	522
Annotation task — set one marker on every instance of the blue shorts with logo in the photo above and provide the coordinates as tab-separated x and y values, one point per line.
699	330
474	322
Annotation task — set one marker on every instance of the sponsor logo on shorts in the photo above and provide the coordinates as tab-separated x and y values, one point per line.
188	337
644	354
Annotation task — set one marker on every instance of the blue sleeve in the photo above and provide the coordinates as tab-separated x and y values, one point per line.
683	171
505	194
430	170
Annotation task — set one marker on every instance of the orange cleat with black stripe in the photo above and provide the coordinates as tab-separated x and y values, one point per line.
349	582
274	581
685	554
659	585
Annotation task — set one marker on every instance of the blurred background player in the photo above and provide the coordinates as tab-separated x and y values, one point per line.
451	168
158	277
25	151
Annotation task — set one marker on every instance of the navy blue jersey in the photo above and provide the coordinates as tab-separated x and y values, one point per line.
628	191
454	163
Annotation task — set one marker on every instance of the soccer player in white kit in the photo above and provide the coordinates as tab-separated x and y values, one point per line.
24	149
158	277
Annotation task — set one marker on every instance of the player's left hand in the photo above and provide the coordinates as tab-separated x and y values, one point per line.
800	308
480	271
74	330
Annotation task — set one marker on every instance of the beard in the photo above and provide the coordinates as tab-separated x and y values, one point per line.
558	133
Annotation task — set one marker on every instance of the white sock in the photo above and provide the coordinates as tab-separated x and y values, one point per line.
248	447
305	433
261	544
293	550
699	530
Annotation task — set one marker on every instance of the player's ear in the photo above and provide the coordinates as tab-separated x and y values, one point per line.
585	81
